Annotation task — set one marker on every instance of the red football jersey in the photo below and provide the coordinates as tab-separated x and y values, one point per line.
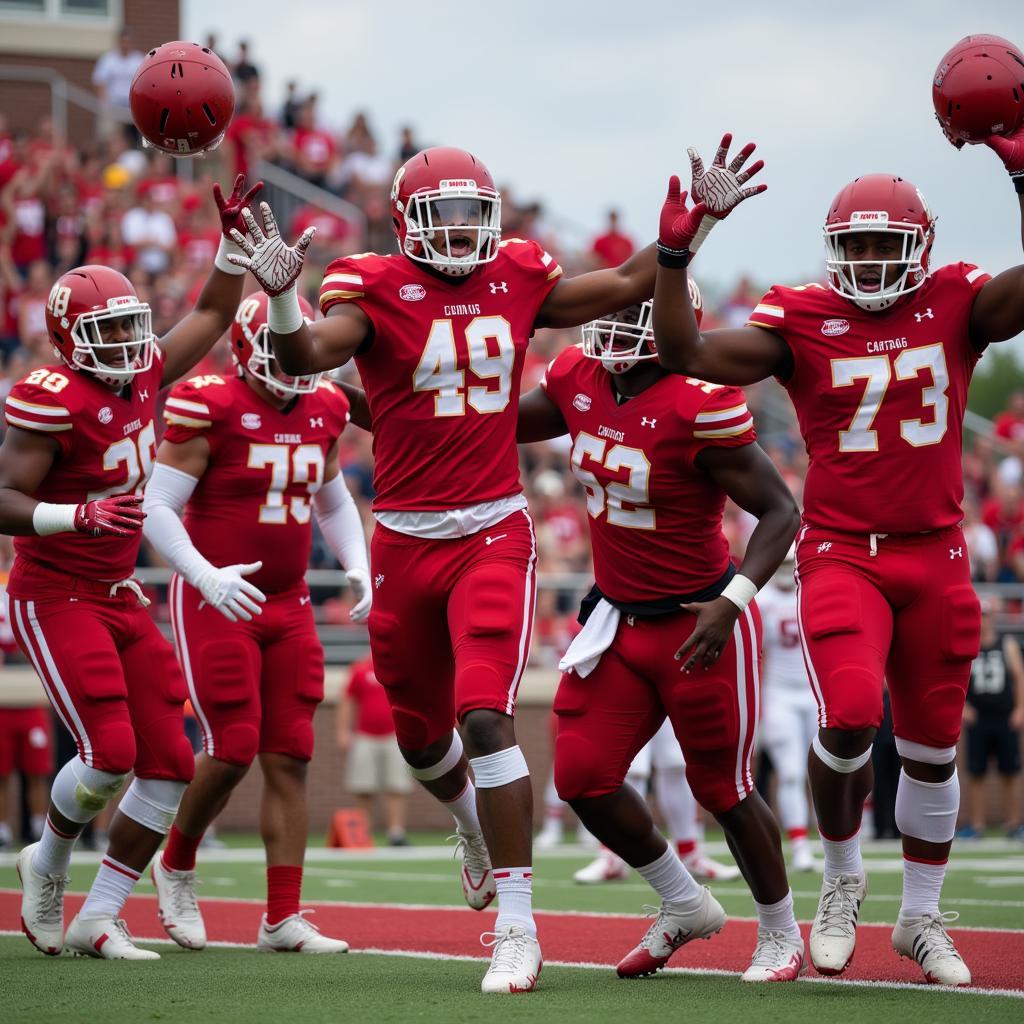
442	374
254	500
655	517
880	398
107	446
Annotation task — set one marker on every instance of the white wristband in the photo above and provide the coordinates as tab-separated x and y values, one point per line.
221	262
740	591
284	315
47	518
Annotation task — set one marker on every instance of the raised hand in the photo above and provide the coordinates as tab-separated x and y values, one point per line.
721	187
273	263
233	596
230	209
359	581
1010	149
120	516
678	225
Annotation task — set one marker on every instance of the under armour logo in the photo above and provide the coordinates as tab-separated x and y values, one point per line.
378	580
304	600
143	395
826	546
490	540
956	553
316	421
927	313
498	286
645	422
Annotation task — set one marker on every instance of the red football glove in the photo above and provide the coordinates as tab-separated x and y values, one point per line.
1011	151
230	209
677	226
120	516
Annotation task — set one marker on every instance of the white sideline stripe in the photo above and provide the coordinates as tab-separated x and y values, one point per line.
181	646
529	606
418	954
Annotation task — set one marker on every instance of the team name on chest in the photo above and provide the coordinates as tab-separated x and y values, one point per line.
463	309
887	345
287	439
611	433
131	427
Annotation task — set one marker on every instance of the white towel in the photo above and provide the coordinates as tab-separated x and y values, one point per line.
592	640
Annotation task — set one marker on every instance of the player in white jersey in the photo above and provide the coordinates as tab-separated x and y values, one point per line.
789	719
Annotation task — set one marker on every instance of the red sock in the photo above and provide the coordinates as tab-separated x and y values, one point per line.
797	833
180	851
686	846
284	884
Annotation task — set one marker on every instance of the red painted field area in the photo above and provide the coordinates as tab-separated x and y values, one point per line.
996	959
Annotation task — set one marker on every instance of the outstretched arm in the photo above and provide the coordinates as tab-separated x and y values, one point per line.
998	311
539	418
190	339
300	348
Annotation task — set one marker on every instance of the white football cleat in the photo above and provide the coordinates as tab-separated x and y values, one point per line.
777	957
926	940
106	938
606	867
477	878
803	858
674	926
515	961
42	904
704	869
549	836
294	934
177	906
834	932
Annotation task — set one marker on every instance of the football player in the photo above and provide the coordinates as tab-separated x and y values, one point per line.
790	717
249	460
877	364
78	450
438	332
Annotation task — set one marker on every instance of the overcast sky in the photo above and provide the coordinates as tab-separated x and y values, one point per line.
585	105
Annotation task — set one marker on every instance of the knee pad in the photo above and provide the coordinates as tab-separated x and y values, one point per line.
489	602
499	769
710	711
577	774
853	698
714	790
926	755
843	765
238	743
444	766
80	792
927	810
114	748
153	803
960	636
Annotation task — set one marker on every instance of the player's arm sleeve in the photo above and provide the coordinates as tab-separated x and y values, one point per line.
341	524
188	411
166	495
723	421
32	408
543	269
769	312
347	281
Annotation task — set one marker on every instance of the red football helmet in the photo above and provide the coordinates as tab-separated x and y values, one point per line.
978	89
182	98
879	203
446	210
250	348
621	340
79	303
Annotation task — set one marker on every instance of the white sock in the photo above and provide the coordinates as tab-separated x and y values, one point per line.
113	885
778	917
53	855
6	836
670	880
463	809
842	856
515	898
675	800
922	886
37	823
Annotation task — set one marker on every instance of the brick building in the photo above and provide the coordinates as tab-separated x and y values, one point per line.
65	38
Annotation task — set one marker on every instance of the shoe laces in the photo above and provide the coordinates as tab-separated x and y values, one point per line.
839	907
122	929
508	947
772	947
471	845
306	927
51	898
936	940
182	886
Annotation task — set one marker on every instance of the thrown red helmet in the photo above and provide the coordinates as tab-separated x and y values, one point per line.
446	210
80	301
978	89
621	340
250	347
879	203
182	98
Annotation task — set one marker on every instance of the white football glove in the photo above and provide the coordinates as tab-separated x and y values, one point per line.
273	263
234	597
359	581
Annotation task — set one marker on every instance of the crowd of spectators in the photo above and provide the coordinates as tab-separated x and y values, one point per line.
153	219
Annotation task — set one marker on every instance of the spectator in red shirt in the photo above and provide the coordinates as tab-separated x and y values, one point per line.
314	152
613	247
375	764
252	135
1010	424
